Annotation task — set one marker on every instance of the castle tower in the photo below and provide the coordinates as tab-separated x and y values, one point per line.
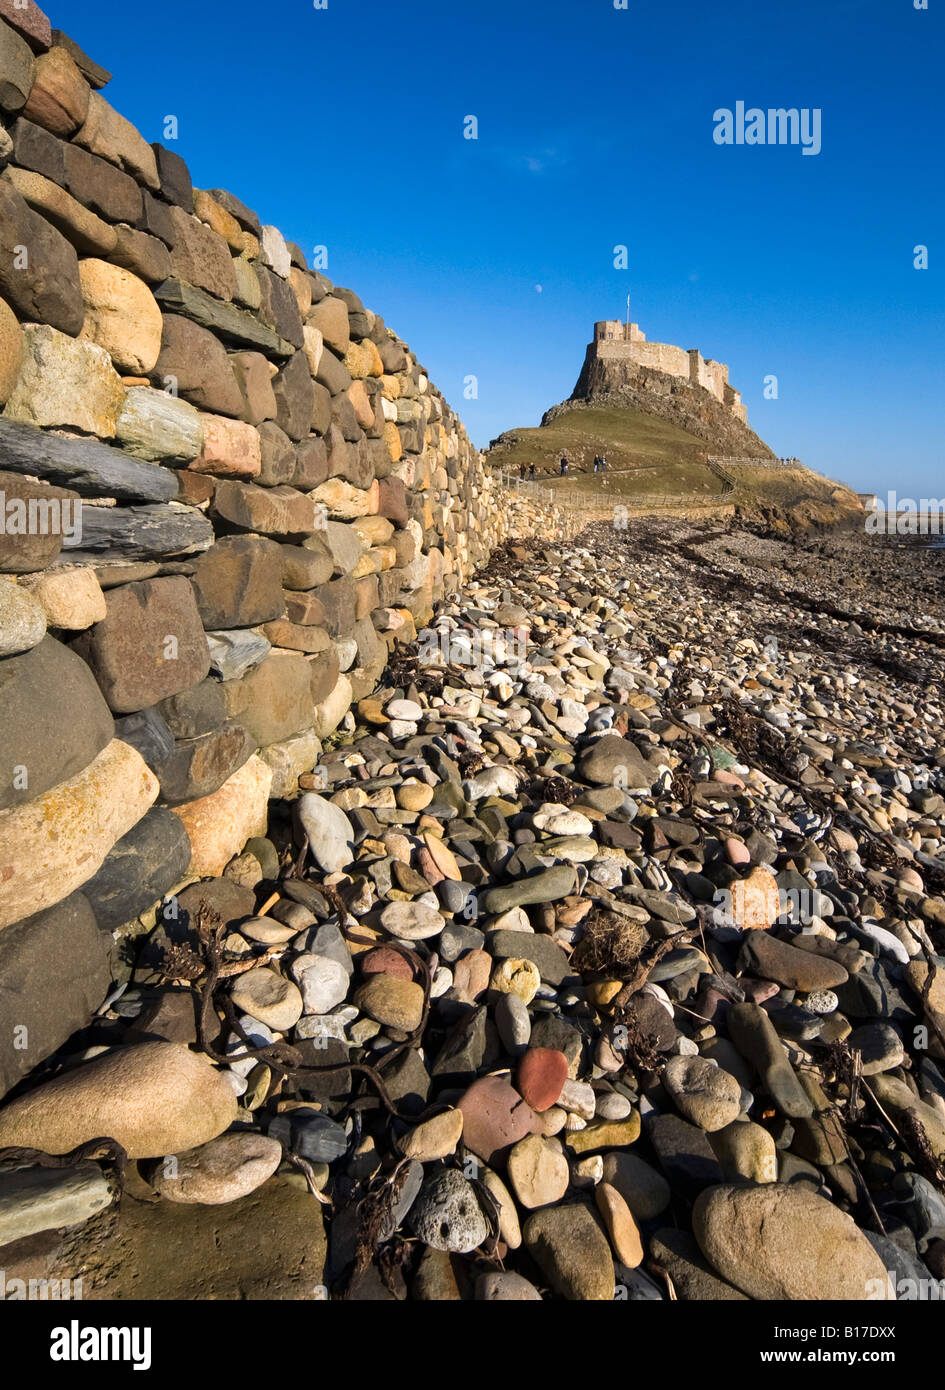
613	330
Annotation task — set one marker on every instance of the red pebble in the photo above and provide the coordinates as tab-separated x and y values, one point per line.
542	1073
385	961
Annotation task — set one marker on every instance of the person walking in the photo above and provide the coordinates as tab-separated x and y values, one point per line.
564	467
521	473
531	473
603	463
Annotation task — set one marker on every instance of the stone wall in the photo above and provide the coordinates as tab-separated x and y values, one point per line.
229	490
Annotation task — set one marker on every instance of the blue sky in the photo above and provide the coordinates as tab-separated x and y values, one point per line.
344	127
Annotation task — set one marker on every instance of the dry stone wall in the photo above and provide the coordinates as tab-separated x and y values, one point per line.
228	491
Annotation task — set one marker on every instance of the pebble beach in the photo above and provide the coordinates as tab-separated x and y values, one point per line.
602	956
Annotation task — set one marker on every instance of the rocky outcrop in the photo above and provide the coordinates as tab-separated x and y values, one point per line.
621	385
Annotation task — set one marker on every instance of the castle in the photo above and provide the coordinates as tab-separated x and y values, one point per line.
624	342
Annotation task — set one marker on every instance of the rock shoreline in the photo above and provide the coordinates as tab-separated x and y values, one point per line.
601	956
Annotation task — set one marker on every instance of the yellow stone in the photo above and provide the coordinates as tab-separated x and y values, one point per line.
363	360
414	796
512	976
602	992
219	825
621	1227
615	1134
52	845
121	315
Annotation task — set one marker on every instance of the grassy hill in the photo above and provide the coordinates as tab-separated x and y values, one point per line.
649	456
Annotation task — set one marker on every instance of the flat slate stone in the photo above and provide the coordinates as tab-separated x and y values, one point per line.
46	1199
90	468
144	533
232	324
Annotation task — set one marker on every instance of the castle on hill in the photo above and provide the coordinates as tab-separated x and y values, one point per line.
618	343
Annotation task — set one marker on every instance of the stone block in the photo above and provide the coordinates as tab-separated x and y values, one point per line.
199	766
17	68
296	637
37	149
234	653
55	972
338	598
175	182
238	583
56	842
72	599
83	229
64	383
27	546
295	397
110	136
276	511
11	350
43	287
59	98
150	645
344	502
137	872
142	254
200	256
311	464
121	315
161	428
330	317
325	670
217	218
278	306
254	379
288	761
303	607
278	455
194	364
198	710
332	373
219	825
275	253
231	448
147	732
100	185
32	23
55	721
274	700
303	568
144	533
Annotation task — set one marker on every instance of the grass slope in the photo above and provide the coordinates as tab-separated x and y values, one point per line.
646	456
